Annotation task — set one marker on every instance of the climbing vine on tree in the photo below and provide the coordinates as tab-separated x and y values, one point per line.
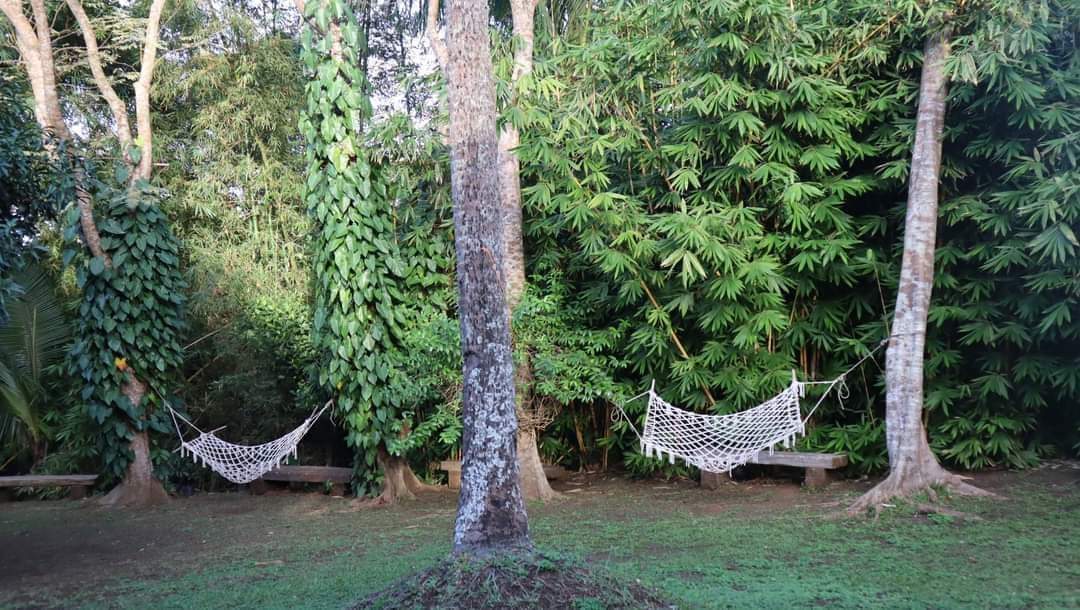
356	260
131	315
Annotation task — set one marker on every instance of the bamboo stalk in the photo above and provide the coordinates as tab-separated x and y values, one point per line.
676	340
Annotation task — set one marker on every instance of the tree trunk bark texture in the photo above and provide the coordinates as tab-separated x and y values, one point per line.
523	15
912	465
534	483
491	513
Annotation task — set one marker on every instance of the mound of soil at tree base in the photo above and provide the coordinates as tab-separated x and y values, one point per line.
512	580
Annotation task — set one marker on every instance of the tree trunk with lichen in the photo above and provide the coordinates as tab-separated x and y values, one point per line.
912	464
491	513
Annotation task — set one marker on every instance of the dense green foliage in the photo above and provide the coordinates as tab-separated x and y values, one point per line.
1003	367
226	122
714	196
742	195
33	342
30	187
357	265
131	313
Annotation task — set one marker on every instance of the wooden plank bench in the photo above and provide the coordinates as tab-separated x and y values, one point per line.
78	483
553	472
817	466
338	477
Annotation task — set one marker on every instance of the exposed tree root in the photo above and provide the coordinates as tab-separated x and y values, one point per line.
126	495
534	483
932	509
512	579
902	484
399	481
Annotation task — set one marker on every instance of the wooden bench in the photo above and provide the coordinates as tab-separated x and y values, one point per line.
453	471
338	477
77	482
817	466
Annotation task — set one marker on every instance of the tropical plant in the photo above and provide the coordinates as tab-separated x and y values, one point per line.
130	317
33	341
227	123
739	201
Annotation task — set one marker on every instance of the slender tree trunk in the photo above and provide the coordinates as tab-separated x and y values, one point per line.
491	513
523	14
912	465
534	484
510	200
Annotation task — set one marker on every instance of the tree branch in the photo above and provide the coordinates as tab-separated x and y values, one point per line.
30	56
48	70
438	44
24	30
142	89
93	57
675	339
523	13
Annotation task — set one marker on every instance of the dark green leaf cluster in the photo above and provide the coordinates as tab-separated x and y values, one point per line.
131	312
357	263
31	188
729	177
1002	365
426	371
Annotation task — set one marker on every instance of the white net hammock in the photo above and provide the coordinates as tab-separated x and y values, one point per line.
719	443
241	463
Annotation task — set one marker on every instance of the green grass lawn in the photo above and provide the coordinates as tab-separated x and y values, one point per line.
747	545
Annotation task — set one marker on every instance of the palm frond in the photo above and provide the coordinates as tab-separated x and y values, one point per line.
18	404
35	337
37	333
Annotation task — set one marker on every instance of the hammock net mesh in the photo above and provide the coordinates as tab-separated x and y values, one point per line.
719	443
244	463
